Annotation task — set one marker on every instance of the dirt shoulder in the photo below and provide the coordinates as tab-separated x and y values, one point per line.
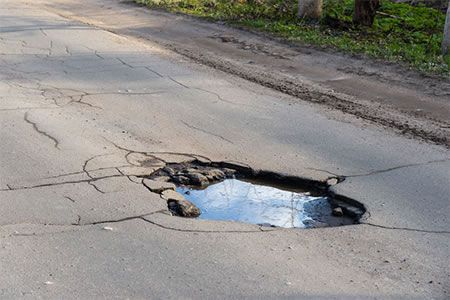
386	94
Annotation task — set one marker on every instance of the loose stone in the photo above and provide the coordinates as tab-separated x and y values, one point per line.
184	208
215	174
180	179
169	170
162	178
337	212
332	181
179	205
229	172
190	170
197	179
171	195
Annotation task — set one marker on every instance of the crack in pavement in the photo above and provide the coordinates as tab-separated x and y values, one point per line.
24	44
78	220
58	183
83	172
325	171
129	177
127	158
219	97
405	228
164	211
123	219
25	108
80	101
207	132
153	71
50	49
89	181
96	187
177	82
125	63
397	167
43	32
141	217
343	177
15	234
40	73
86	162
70	199
36	128
122	148
84	167
205	231
95	52
153	153
88	94
44	90
78	98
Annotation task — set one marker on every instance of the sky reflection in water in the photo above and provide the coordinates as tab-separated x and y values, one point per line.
236	200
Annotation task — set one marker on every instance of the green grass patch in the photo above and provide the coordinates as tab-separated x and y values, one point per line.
402	33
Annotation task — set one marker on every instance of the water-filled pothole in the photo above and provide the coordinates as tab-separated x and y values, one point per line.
250	202
222	191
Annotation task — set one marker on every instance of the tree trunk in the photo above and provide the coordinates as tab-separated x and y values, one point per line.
365	11
310	8
446	40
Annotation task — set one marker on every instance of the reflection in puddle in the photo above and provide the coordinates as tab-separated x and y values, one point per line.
236	200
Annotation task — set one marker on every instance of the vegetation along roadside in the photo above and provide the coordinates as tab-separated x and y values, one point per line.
401	32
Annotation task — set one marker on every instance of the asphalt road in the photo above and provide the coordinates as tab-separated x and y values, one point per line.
391	95
81	107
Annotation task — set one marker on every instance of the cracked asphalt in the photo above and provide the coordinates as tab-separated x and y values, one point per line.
85	112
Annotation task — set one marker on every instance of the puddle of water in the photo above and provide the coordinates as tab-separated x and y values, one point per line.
242	201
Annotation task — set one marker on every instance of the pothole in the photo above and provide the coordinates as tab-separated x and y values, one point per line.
232	192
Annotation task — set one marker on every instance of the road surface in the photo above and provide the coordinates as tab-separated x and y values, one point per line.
81	107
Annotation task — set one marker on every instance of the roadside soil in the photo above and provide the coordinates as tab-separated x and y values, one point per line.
391	95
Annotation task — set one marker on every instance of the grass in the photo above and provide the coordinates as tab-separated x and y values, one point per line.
402	33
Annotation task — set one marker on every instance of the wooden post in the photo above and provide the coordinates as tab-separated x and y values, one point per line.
365	11
446	40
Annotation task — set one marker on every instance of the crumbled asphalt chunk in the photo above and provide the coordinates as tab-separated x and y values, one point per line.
158	186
